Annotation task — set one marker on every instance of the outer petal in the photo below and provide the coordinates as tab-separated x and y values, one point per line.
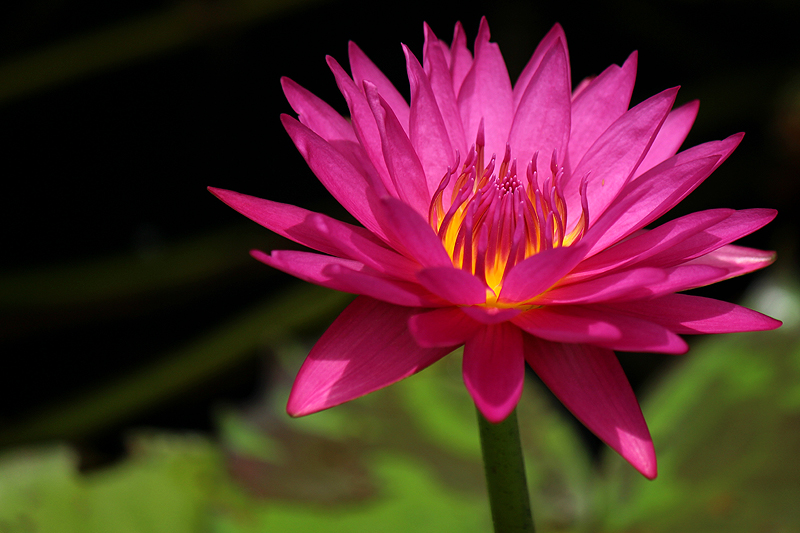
494	370
486	95
427	129
590	382
320	232
613	158
732	261
602	102
650	243
441	81
321	118
687	314
366	348
460	58
670	136
402	162
630	283
542	119
661	188
555	34
350	188
446	326
364	125
348	276
574	324
363	69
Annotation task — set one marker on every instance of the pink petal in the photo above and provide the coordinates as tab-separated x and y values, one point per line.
686	314
402	162
367	347
460	58
428	132
457	286
641	247
491	315
579	324
320	232
739	224
350	188
555	35
363	122
539	272
441	82
443	327
731	261
661	188
494	370
643	201
542	119
410	232
363	69
612	159
347	276
321	118
590	382
670	136
602	102
486	95
630	283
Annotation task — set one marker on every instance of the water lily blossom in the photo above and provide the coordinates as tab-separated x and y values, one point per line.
508	219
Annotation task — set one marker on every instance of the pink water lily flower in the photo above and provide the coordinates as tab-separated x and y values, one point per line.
508	219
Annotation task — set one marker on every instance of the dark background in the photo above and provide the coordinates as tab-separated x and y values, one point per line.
116	116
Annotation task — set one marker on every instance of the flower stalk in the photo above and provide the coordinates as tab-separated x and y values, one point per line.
505	475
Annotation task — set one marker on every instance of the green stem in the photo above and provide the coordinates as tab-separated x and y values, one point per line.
505	475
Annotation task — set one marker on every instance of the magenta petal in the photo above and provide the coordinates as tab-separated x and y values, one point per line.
613	158
731	261
410	232
320	232
365	349
363	69
630	283
486	95
443	327
364	126
454	285
664	238
580	324
670	137
427	129
347	276
345	183
555	34
491	315
539	272
602	102
686	314
739	224
401	159
542	120
590	382
441	82
321	118
641	202
494	370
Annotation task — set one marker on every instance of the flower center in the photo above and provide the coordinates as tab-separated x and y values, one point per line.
496	220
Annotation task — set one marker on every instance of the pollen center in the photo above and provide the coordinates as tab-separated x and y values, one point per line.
497	219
